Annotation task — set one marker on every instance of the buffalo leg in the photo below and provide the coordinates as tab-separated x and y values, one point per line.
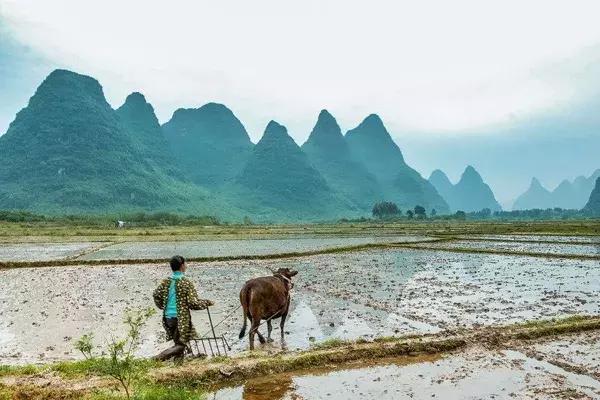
269	329
253	331
261	338
282	323
282	326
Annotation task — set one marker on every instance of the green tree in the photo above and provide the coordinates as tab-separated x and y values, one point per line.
420	212
460	215
386	209
410	214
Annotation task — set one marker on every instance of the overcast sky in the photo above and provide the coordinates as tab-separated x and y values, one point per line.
449	67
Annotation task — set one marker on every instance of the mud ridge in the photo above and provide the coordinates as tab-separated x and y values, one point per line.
76	262
413	246
239	368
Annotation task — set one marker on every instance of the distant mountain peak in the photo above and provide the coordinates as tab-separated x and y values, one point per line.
136	98
136	101
136	110
326	123
69	83
326	134
373	121
442	184
276	135
211	143
536	184
330	155
216	107
324	115
470	174
67	74
469	169
439	175
275	130
471	193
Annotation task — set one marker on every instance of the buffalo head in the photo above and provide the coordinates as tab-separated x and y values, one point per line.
288	273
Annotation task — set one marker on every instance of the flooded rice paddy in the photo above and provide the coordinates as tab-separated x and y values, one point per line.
44	251
536	238
522	247
364	294
361	294
233	248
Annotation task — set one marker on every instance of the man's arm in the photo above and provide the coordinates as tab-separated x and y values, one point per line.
159	295
194	302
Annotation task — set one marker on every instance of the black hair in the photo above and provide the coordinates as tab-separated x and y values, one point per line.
177	262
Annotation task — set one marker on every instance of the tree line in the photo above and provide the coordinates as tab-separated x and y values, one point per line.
390	210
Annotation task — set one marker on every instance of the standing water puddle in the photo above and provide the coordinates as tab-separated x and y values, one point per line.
476	374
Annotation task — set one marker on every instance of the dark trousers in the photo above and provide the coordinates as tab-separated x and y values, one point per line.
178	348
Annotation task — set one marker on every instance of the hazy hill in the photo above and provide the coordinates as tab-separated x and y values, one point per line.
471	193
69	151
371	144
210	143
536	196
568	195
583	186
442	184
593	204
278	181
137	116
329	153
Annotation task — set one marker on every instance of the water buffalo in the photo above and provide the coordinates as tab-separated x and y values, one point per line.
266	298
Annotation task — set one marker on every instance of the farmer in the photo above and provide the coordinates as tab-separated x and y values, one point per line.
176	296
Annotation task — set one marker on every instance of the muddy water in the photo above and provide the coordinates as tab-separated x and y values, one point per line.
215	248
553	238
581	351
523	247
44	251
353	295
476	374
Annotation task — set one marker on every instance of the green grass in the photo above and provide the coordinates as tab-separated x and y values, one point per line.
73	369
152	392
9	370
98	366
329	344
142	392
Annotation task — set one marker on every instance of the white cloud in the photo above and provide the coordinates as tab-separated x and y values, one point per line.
429	65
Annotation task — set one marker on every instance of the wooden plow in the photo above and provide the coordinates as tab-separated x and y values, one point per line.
209	345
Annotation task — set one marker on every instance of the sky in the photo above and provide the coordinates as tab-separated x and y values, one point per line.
439	73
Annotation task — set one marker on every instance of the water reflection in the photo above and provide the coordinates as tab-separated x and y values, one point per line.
474	374
269	388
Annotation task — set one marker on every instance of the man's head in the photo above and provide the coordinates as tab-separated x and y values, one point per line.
178	264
